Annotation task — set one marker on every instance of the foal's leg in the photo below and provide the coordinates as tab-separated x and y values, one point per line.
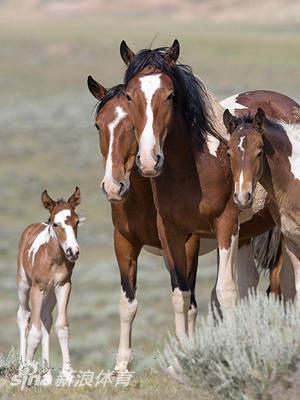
62	294
173	244
23	315
227	233
192	255
293	252
127	254
35	333
47	321
247	274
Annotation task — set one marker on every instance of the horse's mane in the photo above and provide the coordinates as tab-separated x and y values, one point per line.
195	99
117	90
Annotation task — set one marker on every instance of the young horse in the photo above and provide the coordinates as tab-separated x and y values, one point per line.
133	212
267	151
172	110
47	255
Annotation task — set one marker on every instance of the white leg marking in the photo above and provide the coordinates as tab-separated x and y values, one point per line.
127	313
181	304
34	338
62	294
192	315
23	315
149	85
247	274
120	114
294	254
226	288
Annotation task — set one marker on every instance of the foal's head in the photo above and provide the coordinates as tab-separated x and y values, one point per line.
245	149
117	141
150	95
64	221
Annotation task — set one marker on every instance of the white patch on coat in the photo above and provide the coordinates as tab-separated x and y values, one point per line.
293	133
60	219
42	238
120	114
212	144
231	103
149	85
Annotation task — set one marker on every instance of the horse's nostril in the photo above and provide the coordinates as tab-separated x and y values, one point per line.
235	195
249	196
103	188
138	160
121	188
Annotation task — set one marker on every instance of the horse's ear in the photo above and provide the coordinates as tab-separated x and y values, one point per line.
47	201
95	88
172	53
259	119
126	54
75	199
229	121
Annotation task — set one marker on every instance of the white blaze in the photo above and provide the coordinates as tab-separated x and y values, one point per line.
240	146
149	85
120	114
60	219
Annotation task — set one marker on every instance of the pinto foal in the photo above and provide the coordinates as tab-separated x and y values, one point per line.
47	255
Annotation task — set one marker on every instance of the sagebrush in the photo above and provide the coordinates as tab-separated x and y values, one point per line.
243	355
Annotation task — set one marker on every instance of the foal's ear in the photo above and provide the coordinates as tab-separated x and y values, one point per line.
259	120
47	201
75	199
126	54
172	53
229	121
95	88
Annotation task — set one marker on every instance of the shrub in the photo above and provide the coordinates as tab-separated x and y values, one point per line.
241	356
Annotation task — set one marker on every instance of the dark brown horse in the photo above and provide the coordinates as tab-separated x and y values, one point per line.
179	129
133	211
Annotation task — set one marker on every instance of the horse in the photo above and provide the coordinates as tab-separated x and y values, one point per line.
133	211
266	150
46	258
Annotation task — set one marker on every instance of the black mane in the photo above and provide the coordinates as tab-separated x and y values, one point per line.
117	90
194	98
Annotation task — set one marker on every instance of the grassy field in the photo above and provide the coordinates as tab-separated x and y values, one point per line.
48	141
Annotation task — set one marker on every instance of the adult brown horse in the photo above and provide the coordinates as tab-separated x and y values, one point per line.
172	110
134	220
267	150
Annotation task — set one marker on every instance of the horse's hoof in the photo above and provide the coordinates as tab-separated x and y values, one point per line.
46	380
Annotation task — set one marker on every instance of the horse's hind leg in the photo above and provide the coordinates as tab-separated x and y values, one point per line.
23	315
274	286
47	321
35	333
247	274
127	254
192	255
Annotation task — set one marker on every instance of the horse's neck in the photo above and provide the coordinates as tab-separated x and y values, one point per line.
280	164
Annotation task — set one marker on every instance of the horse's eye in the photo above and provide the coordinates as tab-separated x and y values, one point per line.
128	97
259	153
55	225
229	153
171	96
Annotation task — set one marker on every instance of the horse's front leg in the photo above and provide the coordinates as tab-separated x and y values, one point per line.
227	233
247	274
173	244
293	252
127	254
192	255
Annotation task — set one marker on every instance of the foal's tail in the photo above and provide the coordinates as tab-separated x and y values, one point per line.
267	249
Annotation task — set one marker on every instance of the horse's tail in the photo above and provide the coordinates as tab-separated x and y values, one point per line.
267	249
